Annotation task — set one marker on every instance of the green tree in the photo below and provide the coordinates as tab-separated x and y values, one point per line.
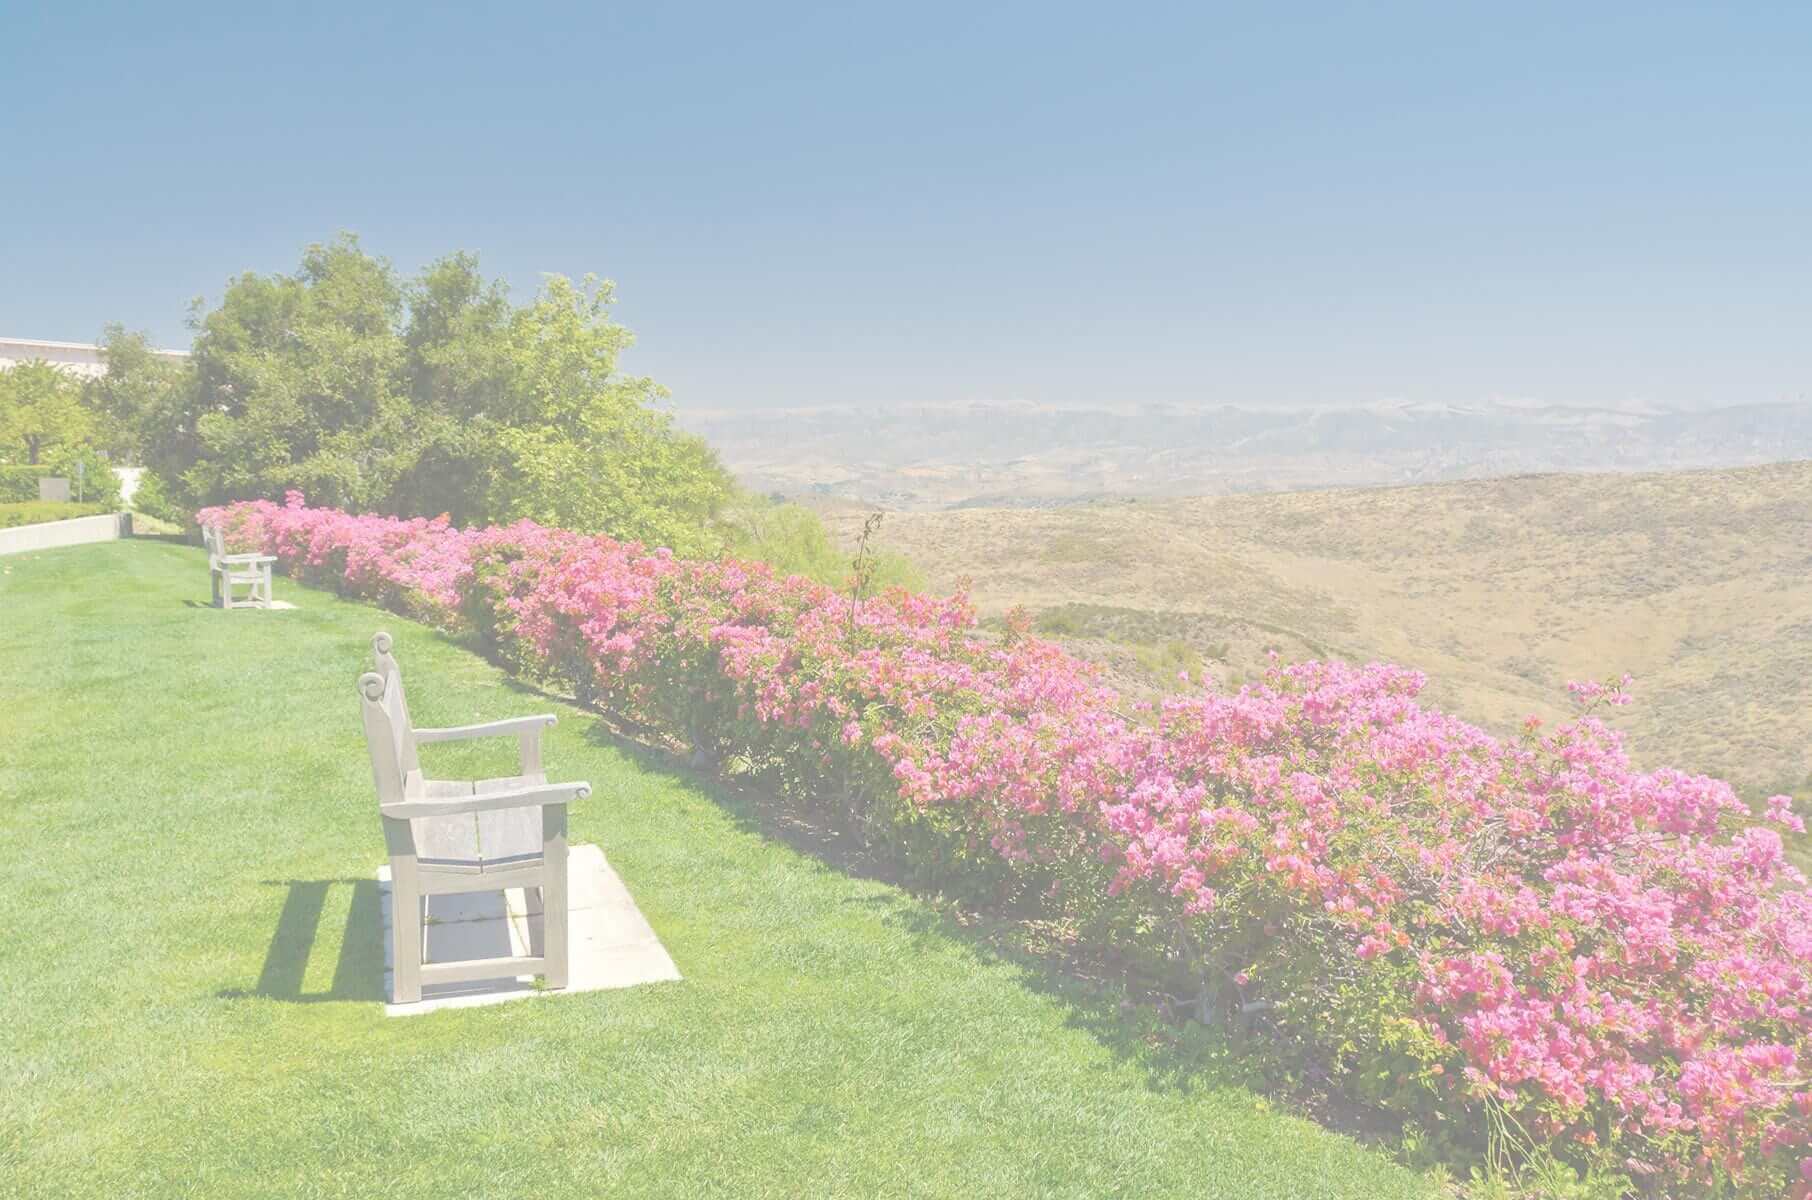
459	379
598	454
297	384
41	410
430	396
137	395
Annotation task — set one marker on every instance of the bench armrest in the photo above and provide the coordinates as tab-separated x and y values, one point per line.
236	559
535	795
526	730
508	727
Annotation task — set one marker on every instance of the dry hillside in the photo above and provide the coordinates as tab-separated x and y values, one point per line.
1699	583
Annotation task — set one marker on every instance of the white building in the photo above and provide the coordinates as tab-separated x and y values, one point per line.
77	358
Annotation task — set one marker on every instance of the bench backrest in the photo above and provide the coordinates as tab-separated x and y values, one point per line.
388	667
214	541
389	737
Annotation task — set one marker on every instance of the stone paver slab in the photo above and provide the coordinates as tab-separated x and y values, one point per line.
610	943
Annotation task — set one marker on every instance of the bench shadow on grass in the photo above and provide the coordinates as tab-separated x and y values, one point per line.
358	974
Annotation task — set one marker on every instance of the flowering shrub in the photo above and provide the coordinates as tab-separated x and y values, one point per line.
1470	931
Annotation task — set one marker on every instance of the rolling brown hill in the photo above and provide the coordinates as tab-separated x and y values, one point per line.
1699	583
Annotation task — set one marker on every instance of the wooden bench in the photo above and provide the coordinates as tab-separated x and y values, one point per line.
447	837
229	570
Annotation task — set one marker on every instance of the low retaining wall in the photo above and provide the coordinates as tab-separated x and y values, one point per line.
75	532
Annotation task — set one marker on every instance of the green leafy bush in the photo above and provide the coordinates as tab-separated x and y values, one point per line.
793	540
94	482
1061	622
19	483
1169	660
98	484
37	512
153	498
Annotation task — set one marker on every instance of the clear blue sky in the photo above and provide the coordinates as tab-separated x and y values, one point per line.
1318	204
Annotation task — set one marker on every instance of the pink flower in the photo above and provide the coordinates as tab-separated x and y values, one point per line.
1587	943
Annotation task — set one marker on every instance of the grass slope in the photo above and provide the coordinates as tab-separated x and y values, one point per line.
189	981
1698	582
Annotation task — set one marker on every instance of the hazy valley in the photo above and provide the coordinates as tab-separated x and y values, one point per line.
1697	582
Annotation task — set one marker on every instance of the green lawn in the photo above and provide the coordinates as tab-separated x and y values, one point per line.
190	969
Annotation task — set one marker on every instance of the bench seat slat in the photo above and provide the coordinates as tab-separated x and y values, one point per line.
477	843
509	837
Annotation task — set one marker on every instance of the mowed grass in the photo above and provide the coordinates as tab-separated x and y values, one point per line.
190	970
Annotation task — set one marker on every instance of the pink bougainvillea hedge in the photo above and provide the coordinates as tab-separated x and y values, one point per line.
1527	934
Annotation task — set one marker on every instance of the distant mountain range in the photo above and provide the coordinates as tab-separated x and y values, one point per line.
944	456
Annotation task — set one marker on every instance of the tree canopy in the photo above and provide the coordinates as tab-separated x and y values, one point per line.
435	394
41	412
133	395
49	420
423	396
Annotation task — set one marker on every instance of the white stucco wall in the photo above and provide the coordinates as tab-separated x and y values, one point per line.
76	532
77	358
128	477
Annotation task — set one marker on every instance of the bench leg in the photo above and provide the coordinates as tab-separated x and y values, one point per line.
553	894
406	931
